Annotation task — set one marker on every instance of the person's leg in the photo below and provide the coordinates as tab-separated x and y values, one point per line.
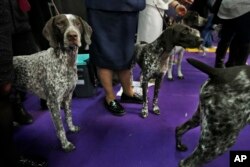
106	76
9	156
240	45
233	52
226	35
125	79
128	95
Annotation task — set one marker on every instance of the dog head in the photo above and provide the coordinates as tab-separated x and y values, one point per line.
65	31
181	35
193	19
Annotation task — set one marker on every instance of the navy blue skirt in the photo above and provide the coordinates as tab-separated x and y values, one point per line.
113	38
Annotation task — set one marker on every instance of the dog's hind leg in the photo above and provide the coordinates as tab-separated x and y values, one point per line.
68	114
144	111
54	108
216	138
156	108
181	130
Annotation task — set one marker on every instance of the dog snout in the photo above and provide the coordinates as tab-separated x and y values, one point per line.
72	36
196	32
200	41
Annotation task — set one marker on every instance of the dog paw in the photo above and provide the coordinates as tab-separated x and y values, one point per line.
170	79
75	129
156	111
144	114
181	147
180	77
68	147
181	163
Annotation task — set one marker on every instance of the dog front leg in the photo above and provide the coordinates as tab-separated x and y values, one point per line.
68	114
156	108
179	60
54	108
181	130
144	111
170	69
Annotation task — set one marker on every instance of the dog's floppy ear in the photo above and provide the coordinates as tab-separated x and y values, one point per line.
167	38
87	31
48	33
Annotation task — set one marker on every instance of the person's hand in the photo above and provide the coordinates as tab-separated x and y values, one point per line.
189	1
5	88
181	10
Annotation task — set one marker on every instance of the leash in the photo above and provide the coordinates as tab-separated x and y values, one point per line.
164	21
53	3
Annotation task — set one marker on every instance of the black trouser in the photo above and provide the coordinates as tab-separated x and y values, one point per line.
235	32
8	156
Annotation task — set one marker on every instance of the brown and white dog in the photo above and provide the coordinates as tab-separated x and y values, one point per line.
52	74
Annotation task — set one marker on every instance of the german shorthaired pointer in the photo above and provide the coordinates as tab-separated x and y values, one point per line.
224	109
52	74
153	58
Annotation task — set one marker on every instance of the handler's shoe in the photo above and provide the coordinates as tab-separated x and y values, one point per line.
136	98
115	107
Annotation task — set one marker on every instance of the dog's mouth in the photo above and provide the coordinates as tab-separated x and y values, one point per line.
72	49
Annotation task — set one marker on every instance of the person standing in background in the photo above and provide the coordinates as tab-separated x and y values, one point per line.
9	155
235	19
150	24
114	26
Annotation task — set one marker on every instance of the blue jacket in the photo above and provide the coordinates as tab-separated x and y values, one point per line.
116	5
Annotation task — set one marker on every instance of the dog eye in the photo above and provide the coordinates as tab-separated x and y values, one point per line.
60	24
77	23
185	31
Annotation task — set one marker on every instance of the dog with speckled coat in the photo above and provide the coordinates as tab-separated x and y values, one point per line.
223	111
52	74
153	58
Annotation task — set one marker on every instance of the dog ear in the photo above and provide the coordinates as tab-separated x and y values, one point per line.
167	38
87	31
48	32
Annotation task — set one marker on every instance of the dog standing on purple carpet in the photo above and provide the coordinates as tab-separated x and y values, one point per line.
153	58
52	74
223	111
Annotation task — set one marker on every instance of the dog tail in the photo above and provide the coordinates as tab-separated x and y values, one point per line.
210	71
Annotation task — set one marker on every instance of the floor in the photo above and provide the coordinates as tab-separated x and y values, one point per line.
129	141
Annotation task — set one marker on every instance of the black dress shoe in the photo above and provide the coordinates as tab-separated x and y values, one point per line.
115	107
21	116
31	162
136	98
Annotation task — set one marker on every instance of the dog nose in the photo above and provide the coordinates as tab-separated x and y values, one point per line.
201	40
72	35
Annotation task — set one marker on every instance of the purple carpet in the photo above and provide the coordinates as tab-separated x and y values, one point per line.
129	141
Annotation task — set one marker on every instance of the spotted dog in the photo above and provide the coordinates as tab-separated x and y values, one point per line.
224	109
153	58
52	74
